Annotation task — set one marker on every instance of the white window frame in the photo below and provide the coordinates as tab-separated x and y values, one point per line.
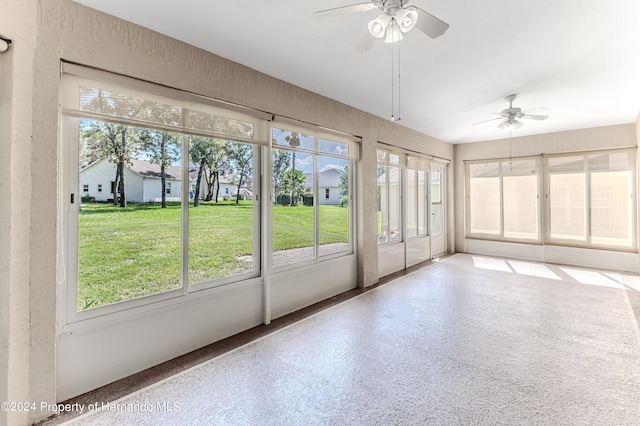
69	319
548	239
407	162
501	175
317	134
543	204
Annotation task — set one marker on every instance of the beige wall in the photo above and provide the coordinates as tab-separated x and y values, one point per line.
576	140
45	32
16	194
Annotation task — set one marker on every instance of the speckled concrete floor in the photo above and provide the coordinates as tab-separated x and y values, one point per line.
469	340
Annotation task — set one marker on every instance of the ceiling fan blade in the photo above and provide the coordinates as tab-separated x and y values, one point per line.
343	10
365	42
538	109
535	117
491	119
429	24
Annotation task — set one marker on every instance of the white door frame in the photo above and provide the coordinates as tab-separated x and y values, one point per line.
439	240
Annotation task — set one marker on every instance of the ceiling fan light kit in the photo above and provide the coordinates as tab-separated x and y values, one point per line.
394	33
378	26
396	18
511	116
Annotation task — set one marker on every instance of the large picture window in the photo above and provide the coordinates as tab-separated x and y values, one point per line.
591	199
181	214
588	199
503	199
312	195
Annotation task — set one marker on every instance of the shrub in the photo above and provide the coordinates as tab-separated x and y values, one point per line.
283	199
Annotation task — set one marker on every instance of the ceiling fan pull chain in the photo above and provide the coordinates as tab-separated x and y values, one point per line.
399	87
392	84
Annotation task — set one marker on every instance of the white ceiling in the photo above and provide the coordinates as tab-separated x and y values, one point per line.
580	58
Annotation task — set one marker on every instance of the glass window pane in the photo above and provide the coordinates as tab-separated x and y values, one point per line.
567	206
412	204
293	210
221	209
566	164
484	198
129	245
333	148
223	125
130	106
520	207
422	203
289	139
611	208
437	217
395	192
480	170
609	161
333	210
383	204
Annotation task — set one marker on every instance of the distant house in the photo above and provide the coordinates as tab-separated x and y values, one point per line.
142	181
245	194
227	188
328	185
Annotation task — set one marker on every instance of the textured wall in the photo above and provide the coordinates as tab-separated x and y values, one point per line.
45	32
16	84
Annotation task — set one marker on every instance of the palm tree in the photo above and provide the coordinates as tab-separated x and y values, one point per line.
295	183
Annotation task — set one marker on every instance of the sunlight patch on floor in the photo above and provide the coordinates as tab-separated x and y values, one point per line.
628	280
491	264
559	273
591	277
533	269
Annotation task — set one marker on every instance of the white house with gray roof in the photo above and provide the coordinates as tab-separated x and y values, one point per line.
328	185
143	183
142	180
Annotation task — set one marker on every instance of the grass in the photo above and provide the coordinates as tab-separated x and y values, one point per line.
125	253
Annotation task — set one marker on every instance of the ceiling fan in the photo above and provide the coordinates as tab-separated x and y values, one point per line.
510	116
397	17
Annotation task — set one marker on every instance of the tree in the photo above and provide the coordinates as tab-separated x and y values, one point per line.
210	157
241	159
281	162
90	152
219	165
295	183
344	186
200	152
163	148
116	143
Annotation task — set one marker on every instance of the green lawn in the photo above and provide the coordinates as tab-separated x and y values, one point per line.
137	251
